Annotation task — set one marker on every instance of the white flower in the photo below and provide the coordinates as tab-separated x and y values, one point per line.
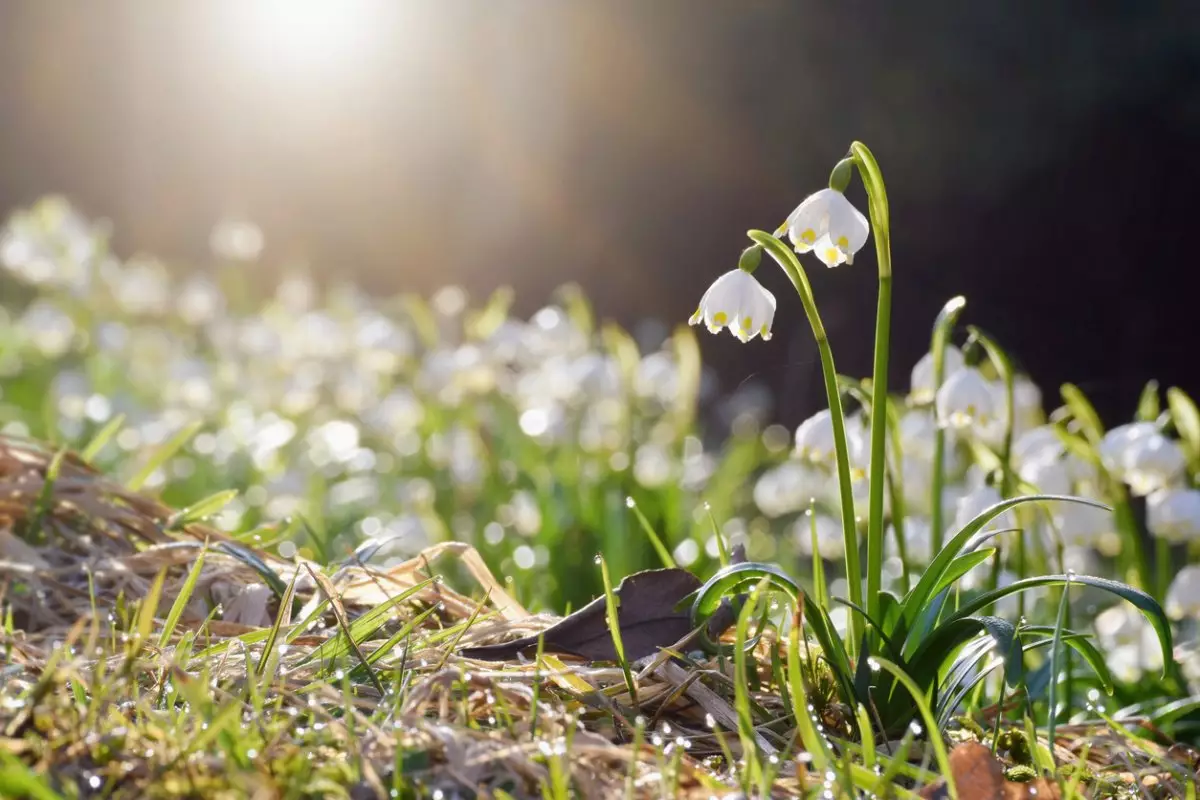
739	301
814	438
1174	514
966	399
1183	598
830	541
1114	447
787	488
1079	525
921	387
828	224
1048	475
1128	641
1037	444
1153	462
976	502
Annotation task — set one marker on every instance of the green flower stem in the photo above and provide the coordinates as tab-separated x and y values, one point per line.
877	203
791	266
941	334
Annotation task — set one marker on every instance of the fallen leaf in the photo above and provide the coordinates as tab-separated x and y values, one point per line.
646	615
978	775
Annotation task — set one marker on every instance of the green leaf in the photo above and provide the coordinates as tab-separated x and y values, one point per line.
102	437
1143	602
1084	413
1186	418
198	511
163	454
961	566
181	601
921	594
18	780
362	627
1148	407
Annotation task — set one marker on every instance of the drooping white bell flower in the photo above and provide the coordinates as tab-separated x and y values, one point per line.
737	300
1049	475
1153	462
830	226
787	488
814	438
976	502
966	400
921	388
1174	514
1037	444
1128	642
1115	446
1183	598
1086	526
1027	404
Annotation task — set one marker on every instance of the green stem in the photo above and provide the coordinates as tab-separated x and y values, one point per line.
937	347
791	266
872	179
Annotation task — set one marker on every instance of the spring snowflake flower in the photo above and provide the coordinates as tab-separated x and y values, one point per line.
830	226
965	400
814	438
1174	514
921	388
1183	598
737	300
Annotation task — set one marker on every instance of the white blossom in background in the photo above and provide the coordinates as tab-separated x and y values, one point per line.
1048	475
1027	405
787	488
830	542
1174	514
814	439
976	502
738	301
966	400
1079	525
921	388
1153	462
1183	596
1128	641
1037	444
1114	448
236	240
830	226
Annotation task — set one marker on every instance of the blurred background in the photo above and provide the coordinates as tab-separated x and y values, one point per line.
1039	158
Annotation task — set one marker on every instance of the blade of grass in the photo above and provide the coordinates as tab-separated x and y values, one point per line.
614	628
163	454
102	438
181	601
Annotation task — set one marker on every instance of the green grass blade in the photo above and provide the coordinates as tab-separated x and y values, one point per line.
102	438
614	628
163	454
664	554
198	511
181	601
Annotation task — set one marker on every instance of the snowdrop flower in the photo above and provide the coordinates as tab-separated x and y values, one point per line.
738	300
921	388
1183	598
814	438
1174	514
829	225
966	399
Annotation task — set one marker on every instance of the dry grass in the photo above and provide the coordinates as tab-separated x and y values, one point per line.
96	700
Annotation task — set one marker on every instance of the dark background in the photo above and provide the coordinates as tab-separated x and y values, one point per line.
1040	157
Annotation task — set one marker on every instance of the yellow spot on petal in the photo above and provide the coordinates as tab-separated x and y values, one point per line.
843	242
832	254
720	318
747	324
695	318
809	236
